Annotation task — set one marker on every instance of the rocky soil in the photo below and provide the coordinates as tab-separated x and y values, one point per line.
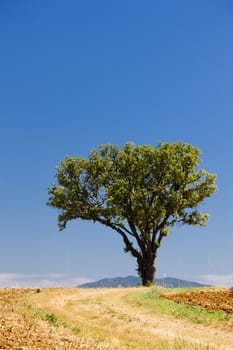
18	332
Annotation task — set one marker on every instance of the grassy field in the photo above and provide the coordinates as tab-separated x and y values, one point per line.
152	300
121	319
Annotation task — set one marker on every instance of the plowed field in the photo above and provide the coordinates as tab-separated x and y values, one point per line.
221	300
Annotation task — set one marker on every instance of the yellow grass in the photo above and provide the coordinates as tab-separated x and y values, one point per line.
106	319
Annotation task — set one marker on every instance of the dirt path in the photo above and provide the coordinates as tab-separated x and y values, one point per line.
169	328
110	308
100	319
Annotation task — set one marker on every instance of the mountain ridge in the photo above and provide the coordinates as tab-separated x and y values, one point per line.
133	281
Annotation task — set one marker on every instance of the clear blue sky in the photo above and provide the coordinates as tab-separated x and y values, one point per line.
76	74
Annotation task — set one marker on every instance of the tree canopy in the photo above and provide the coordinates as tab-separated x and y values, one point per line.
138	191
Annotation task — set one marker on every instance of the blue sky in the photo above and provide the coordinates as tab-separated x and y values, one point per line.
80	73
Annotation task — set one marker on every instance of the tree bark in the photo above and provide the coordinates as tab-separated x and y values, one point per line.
146	268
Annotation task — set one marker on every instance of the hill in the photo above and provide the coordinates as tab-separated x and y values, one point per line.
132	281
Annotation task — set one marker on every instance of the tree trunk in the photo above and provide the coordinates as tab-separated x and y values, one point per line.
146	268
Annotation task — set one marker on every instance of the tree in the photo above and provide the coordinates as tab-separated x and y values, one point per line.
138	191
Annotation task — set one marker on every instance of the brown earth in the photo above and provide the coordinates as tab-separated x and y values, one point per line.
221	300
18	332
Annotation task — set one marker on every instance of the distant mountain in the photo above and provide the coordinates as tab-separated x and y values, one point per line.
170	282
132	281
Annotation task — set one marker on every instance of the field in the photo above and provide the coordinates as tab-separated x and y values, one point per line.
116	319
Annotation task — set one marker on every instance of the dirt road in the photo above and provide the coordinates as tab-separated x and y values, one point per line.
95	319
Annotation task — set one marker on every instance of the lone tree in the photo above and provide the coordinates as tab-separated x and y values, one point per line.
138	191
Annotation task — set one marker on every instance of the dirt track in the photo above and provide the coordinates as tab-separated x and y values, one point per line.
111	312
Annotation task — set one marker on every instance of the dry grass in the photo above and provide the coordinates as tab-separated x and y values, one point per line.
109	319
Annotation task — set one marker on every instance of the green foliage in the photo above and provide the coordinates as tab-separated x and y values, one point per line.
29	311
138	191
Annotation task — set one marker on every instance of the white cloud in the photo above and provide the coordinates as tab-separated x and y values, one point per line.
216	280
14	280
13	276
